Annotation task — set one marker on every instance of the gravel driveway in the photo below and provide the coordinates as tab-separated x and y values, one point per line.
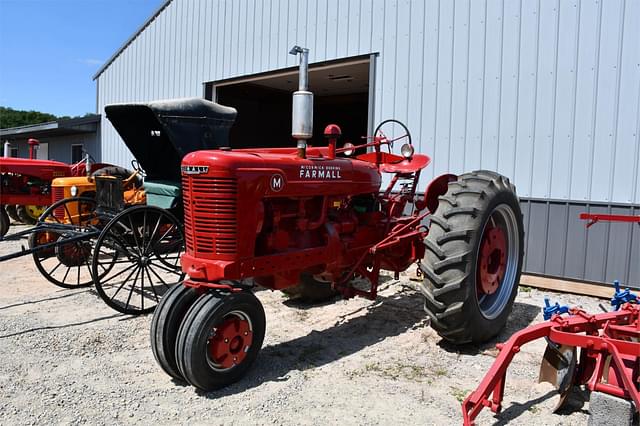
68	358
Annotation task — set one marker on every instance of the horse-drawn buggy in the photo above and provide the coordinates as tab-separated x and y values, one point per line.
127	240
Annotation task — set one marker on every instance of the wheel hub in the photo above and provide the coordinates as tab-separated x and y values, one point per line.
230	342
493	260
73	254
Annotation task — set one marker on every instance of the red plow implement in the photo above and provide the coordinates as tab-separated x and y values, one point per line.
608	360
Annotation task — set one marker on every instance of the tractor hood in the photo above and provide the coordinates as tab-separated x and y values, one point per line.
25	166
160	133
277	172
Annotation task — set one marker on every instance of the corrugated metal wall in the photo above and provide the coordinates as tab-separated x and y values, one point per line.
546	92
558	244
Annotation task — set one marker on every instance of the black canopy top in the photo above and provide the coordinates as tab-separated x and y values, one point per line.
160	133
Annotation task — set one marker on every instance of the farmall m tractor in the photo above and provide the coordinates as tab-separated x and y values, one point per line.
283	217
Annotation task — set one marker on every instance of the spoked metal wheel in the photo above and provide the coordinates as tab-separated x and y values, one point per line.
136	259
67	264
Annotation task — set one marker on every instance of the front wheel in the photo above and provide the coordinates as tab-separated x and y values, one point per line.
219	339
473	258
29	214
165	324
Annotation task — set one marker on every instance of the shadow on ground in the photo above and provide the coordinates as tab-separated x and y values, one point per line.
521	317
575	402
386	317
46	299
54	327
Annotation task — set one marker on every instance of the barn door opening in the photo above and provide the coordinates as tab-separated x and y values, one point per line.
341	96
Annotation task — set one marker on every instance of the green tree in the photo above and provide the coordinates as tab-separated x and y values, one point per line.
10	117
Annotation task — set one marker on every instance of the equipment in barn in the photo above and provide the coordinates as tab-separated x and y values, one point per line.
127	240
609	357
316	217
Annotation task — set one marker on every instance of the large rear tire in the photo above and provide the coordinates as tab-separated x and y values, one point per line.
165	325
11	211
473	258
4	222
219	339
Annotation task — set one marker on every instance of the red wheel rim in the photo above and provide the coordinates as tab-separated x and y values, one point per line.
230	341
492	261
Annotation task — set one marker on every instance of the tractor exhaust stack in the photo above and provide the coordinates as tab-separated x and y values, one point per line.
302	119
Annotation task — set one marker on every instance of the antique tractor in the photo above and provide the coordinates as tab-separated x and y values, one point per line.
316	216
26	185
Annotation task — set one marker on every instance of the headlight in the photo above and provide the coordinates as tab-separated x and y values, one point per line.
407	150
348	152
74	191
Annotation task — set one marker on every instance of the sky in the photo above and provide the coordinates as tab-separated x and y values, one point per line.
51	49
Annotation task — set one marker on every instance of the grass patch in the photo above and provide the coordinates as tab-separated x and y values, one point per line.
394	371
459	394
440	372
533	409
525	289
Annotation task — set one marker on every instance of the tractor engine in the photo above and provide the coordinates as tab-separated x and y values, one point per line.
270	215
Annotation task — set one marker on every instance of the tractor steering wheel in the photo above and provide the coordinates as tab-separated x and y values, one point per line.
390	141
135	165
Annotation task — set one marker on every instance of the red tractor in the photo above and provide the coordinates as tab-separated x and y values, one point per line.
25	185
315	217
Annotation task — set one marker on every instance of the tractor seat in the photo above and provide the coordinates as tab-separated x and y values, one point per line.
416	163
163	194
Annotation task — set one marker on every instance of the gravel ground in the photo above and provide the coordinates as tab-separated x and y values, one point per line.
68	358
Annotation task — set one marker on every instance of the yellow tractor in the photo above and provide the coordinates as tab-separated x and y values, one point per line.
85	186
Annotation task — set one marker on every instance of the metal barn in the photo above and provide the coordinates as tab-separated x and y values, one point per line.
546	92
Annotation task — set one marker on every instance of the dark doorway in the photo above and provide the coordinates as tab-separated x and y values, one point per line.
341	96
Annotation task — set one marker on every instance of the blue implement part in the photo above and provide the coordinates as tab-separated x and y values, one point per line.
620	297
549	310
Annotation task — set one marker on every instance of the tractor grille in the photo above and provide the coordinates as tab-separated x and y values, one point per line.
58	194
210	215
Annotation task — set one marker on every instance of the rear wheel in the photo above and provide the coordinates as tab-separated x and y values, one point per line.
11	211
66	265
4	222
219	339
165	324
473	259
136	259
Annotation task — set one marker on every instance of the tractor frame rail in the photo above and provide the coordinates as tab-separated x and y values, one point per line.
610	347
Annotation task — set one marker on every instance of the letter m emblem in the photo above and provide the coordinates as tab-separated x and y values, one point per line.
277	182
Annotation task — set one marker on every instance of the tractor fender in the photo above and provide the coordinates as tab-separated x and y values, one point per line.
435	189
